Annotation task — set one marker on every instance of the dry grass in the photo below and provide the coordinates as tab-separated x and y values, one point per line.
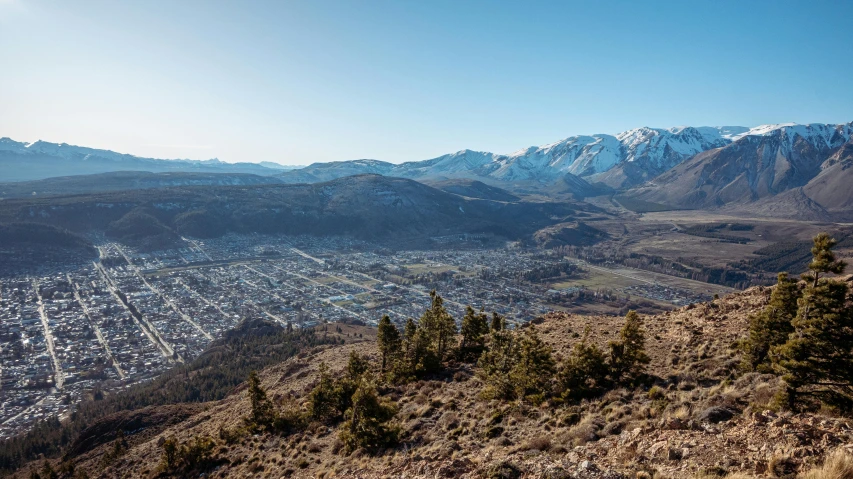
838	465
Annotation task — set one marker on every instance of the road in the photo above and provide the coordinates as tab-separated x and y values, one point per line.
95	327
166	349
162	296
320	299
59	377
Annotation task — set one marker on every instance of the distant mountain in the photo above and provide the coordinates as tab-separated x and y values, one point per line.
616	161
126	180
790	170
33	161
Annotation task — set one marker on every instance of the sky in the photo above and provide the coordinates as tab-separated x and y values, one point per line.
298	82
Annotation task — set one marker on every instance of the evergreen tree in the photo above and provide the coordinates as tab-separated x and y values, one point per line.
346	386
585	371
410	332
47	471
170	454
533	371
367	421
356	366
263	413
817	360
628	355
823	259
496	364
323	398
771	327
474	329
498	322
388	339
438	326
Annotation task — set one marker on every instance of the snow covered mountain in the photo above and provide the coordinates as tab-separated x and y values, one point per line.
619	161
584	164
34	161
615	160
807	166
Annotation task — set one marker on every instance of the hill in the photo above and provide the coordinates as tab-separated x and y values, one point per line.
700	417
366	206
26	246
125	180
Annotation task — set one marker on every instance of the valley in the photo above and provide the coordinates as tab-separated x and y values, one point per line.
132	315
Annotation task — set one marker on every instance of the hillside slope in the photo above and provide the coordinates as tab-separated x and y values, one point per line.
125	180
695	419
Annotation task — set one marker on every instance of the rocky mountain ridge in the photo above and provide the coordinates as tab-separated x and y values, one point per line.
800	168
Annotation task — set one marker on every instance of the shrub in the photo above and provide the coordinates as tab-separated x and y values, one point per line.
367	424
838	465
185	457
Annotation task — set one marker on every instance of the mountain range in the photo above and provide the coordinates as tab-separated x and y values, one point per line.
803	171
21	161
781	169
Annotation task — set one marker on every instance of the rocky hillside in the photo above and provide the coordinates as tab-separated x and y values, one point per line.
698	417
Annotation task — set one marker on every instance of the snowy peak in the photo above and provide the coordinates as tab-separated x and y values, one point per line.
8	144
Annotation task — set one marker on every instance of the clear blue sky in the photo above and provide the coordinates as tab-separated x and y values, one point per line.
304	81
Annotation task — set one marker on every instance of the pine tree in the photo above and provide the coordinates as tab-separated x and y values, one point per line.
409	332
771	327
47	471
388	338
356	366
533	372
263	413
817	360
438	326
367	421
474	329
823	259
585	371
496	364
498	322
323	398
346	385
628	355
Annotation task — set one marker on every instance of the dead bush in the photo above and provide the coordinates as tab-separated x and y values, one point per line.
539	443
838	465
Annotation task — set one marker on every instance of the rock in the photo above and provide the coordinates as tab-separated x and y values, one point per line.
716	414
504	470
455	468
674	454
555	472
672	423
656	448
587	466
